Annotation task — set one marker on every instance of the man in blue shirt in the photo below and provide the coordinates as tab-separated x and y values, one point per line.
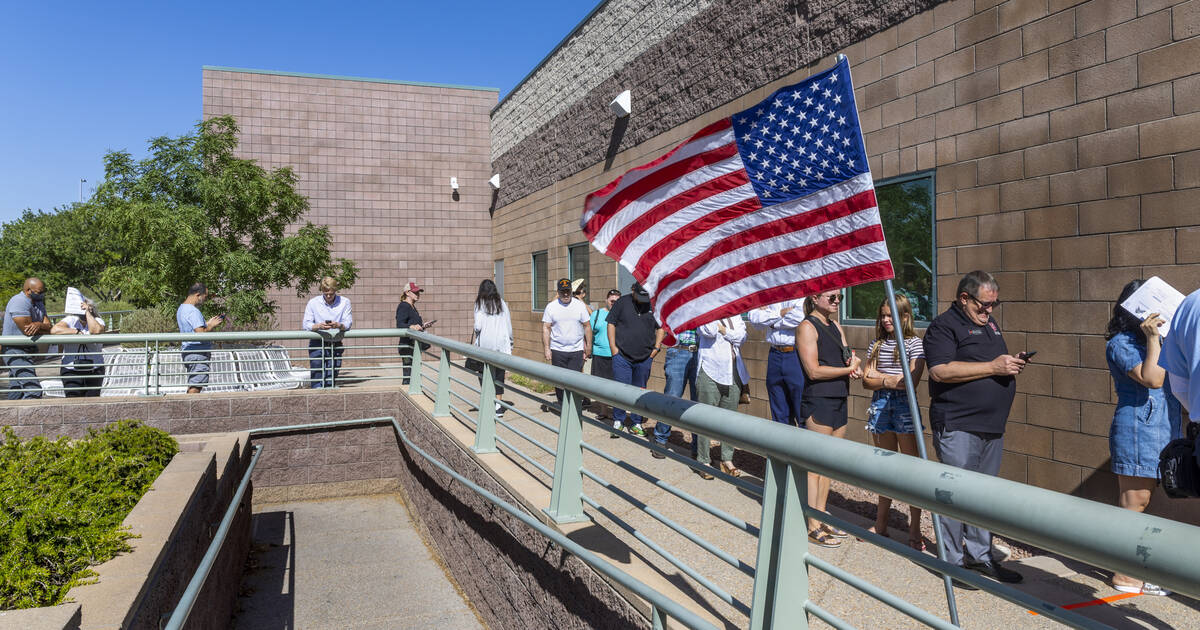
190	320
25	315
329	315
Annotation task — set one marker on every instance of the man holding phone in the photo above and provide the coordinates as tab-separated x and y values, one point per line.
971	387
329	315
191	320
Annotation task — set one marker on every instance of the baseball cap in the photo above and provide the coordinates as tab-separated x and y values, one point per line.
639	292
612	292
576	284
564	285
412	286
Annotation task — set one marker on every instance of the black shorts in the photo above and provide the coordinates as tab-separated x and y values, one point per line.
825	411
602	367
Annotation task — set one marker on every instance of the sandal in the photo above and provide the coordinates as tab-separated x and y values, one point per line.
822	538
917	542
1145	589
835	532
704	474
730	469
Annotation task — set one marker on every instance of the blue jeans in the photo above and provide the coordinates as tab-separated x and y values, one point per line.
679	368
325	361
23	378
630	372
785	386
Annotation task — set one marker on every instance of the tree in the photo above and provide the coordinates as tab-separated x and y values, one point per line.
193	212
60	247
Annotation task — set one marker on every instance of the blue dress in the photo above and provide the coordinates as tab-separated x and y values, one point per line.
1145	419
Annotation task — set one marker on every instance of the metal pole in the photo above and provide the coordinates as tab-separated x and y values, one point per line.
919	429
441	401
566	494
485	428
414	371
781	574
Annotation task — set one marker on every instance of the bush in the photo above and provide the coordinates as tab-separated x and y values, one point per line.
62	503
149	321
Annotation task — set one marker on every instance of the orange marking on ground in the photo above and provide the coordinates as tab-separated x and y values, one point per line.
1097	602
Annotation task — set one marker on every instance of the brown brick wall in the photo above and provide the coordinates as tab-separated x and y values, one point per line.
375	159
1065	144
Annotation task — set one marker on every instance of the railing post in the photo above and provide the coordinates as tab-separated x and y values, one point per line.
414	371
781	575
158	368
485	429
566	495
146	375
441	399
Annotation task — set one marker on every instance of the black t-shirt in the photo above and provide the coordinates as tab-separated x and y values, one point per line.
980	405
406	315
634	325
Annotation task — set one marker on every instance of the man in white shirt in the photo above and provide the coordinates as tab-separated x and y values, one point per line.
785	376
328	314
566	335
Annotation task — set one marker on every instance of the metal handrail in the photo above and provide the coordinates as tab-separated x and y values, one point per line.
1153	548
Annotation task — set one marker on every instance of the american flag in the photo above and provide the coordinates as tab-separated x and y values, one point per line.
773	203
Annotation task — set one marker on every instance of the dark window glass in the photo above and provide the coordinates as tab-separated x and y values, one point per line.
540	281
577	259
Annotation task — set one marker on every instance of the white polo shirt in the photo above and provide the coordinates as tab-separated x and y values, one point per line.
566	324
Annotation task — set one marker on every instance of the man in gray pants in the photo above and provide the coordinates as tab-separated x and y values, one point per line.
971	387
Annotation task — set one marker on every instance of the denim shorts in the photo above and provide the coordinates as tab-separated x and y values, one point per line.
1137	436
889	412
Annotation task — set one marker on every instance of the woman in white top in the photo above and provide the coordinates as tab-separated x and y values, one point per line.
82	363
493	330
719	382
889	420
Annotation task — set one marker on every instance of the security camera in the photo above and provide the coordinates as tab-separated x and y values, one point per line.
453	183
494	182
620	105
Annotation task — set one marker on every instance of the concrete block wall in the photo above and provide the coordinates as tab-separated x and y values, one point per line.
1062	136
374	158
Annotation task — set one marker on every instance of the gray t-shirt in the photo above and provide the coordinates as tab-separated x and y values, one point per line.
20	305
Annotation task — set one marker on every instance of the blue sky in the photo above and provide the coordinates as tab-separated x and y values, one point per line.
80	79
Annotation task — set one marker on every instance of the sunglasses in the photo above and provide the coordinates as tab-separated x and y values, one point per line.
984	305
835	298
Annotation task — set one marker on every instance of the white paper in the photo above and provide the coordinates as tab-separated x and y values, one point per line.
1154	296
74	304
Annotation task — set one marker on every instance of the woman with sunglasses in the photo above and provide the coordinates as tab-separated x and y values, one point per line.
828	364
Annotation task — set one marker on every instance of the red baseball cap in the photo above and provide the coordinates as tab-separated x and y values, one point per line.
412	286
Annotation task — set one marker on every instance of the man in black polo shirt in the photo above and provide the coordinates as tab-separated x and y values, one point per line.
634	337
971	389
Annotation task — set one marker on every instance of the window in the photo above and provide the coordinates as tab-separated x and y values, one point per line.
624	280
498	275
577	263
906	207
540	281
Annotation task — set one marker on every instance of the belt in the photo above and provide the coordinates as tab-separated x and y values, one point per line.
784	348
688	348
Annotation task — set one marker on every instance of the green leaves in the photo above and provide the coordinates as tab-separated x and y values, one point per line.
62	503
192	211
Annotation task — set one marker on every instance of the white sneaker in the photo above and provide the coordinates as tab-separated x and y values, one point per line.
500	409
1000	551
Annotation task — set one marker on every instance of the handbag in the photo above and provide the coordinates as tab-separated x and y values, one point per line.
474	365
1178	472
745	399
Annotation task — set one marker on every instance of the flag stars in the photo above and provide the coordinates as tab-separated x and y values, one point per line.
837	99
827	93
831	113
814	87
771	150
778	103
778	137
797	95
790	110
842	120
758	144
783	188
791	177
759	112
789	144
808	101
824	128
771	183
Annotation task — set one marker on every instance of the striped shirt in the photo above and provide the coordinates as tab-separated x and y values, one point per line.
888	363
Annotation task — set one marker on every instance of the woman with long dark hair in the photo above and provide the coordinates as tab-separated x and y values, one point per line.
493	331
1146	418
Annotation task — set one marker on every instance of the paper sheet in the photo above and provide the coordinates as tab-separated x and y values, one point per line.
1154	296
74	304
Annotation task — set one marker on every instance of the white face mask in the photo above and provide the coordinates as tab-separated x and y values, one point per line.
1179	387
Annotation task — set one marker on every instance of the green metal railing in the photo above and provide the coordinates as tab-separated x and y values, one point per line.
1149	547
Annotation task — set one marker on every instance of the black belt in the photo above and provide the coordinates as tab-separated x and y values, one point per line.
784	348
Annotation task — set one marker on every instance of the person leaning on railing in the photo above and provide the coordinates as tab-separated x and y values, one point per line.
25	315
82	368
191	320
326	314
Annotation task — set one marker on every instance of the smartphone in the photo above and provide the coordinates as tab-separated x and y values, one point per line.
224	315
1027	355
429	323
329	321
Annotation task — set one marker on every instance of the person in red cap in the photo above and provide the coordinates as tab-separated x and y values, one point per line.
407	316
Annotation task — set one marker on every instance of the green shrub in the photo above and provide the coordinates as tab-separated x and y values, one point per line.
149	321
529	383
62	503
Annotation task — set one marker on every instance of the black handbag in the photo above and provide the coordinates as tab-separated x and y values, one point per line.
1178	472
474	365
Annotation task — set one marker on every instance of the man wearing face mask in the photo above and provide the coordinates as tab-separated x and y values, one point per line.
25	315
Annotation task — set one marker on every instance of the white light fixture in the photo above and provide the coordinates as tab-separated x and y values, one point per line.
453	183
494	182
620	105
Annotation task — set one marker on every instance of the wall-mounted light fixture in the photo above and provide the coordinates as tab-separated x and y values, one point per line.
454	183
494	182
620	106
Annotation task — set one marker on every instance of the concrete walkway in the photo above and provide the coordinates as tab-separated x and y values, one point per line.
353	563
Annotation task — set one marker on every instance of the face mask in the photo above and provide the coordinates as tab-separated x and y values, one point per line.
37	298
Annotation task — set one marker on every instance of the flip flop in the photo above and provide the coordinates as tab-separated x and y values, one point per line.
1145	589
822	538
835	532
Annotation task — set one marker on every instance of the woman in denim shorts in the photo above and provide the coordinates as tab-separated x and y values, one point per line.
888	418
1146	418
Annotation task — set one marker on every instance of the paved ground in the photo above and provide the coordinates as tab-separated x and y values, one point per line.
1056	580
349	563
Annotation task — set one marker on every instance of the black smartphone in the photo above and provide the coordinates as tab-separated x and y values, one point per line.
224	315
429	323
329	321
1027	355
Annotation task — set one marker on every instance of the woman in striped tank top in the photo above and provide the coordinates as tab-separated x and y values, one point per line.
888	418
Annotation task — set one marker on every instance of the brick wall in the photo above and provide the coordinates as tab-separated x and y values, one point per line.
1064	141
375	158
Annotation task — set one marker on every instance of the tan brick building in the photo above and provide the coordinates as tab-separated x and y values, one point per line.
1061	139
375	158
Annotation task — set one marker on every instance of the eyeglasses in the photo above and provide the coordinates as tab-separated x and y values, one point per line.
984	305
835	298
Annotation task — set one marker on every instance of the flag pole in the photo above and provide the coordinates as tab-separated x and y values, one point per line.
914	409
919	430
